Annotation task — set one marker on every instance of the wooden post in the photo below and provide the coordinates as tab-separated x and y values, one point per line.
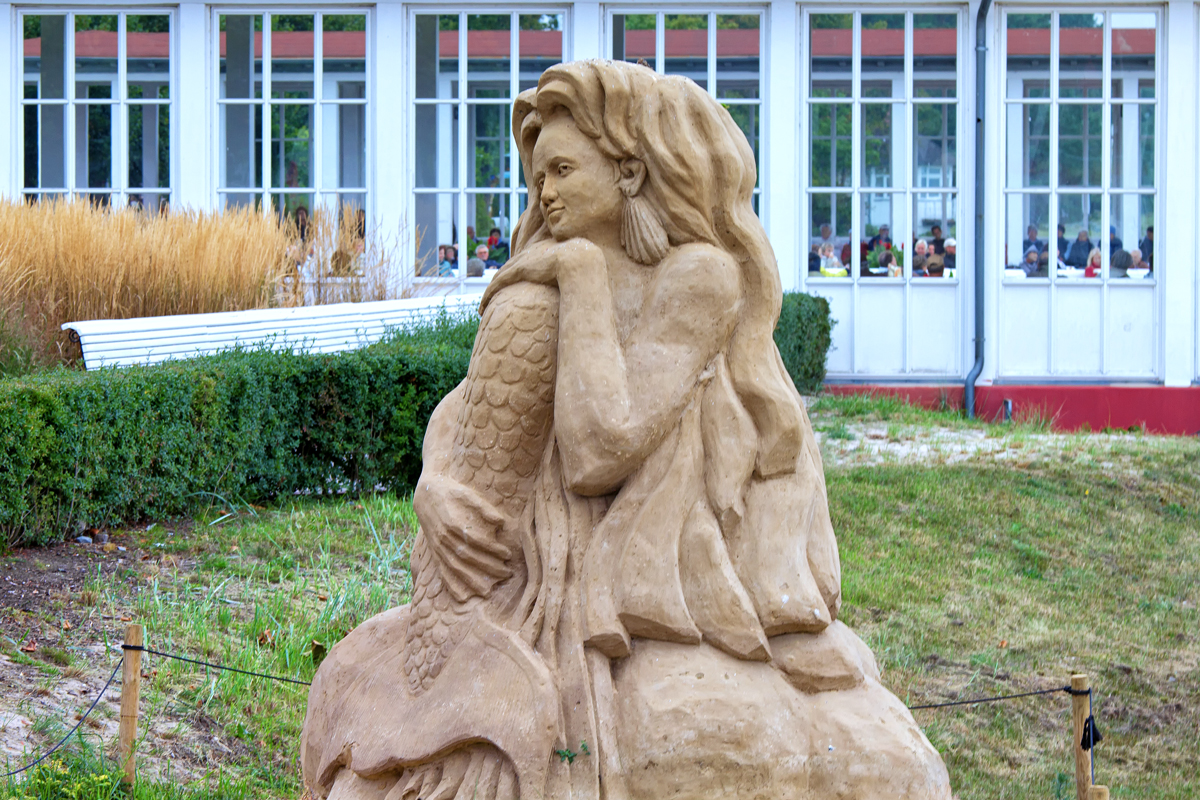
131	685
1098	793
1079	714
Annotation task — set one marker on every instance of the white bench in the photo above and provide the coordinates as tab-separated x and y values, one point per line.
310	329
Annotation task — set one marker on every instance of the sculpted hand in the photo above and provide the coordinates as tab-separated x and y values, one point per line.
542	262
461	529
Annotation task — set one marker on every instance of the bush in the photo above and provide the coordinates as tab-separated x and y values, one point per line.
803	338
118	445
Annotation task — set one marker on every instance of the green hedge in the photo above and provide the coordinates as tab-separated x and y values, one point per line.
119	445
803	337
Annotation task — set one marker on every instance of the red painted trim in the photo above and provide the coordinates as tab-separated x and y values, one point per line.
1155	409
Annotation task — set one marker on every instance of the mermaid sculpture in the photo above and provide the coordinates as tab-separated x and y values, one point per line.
626	583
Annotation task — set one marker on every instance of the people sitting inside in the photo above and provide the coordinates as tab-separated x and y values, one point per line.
950	257
497	246
1147	247
825	238
1119	264
1094	261
1114	241
447	260
1062	243
479	263
1137	262
1078	252
920	255
887	259
1032	240
881	240
831	266
1029	264
937	244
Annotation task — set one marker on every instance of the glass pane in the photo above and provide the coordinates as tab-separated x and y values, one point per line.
292	53
436	55
829	145
95	51
883	55
541	43
488	127
93	146
436	146
295	208
489	55
829	234
1080	54
1080	216
241	56
1028	145
1134	40
1027	242
686	42
935	150
149	146
45	53
437	234
491	227
344	55
148	55
935	55
877	226
241	157
45	147
831	49
344	130
748	117
1133	217
738	37
633	38
934	222
291	146
1079	145
1132	146
882	164
241	200
1028	55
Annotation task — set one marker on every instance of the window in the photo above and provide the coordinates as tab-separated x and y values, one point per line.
1080	145
292	112
1078	295
720	52
469	188
95	107
882	141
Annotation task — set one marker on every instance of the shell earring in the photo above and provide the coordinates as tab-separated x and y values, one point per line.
642	233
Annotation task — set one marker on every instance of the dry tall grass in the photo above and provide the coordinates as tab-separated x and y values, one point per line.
62	261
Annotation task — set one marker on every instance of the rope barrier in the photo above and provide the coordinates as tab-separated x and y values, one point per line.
213	666
1055	690
71	733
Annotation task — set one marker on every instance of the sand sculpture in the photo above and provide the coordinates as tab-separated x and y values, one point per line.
626	583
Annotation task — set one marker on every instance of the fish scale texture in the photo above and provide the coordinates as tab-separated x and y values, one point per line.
502	430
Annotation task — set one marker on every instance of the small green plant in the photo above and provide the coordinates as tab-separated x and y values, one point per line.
838	431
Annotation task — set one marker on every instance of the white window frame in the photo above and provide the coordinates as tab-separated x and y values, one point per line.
1054	190
516	192
323	197
906	325
119	191
660	57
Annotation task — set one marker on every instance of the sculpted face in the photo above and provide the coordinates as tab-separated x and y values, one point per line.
579	185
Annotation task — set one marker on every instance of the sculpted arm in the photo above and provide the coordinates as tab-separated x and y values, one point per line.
616	402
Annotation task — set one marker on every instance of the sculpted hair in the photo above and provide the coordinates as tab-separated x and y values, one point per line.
700	178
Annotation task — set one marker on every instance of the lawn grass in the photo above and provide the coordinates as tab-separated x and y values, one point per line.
967	580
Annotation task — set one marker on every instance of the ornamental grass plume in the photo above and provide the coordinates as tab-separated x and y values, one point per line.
68	260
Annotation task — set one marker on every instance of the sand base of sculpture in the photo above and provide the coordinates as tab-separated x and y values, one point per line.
626	583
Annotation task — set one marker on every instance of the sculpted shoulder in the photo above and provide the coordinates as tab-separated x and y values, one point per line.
700	271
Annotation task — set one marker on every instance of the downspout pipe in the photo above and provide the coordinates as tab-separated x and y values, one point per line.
980	108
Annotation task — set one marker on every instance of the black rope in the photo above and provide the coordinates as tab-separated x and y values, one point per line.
214	666
1066	689
56	747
